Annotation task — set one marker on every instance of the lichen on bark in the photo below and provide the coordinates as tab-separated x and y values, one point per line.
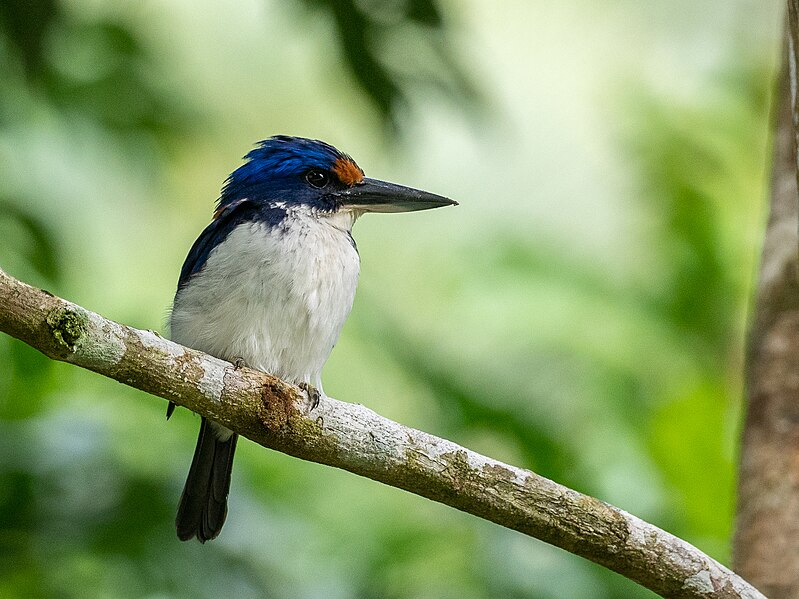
67	325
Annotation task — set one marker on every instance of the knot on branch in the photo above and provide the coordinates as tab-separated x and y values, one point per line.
279	405
67	326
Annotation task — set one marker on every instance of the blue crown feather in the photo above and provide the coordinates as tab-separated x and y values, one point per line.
273	168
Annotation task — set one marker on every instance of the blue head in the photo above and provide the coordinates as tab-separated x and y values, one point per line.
307	172
284	173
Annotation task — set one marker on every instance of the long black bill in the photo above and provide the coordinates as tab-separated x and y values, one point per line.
373	195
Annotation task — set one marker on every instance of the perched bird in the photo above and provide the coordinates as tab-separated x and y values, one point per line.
270	282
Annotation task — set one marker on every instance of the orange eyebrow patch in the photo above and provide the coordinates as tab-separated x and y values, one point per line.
347	171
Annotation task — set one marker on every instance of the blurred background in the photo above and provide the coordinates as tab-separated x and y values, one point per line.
582	313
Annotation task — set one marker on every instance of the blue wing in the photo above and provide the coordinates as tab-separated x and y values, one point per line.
226	219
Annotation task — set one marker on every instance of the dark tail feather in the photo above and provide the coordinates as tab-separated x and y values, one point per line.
203	504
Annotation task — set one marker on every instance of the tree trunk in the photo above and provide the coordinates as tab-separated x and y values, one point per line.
767	528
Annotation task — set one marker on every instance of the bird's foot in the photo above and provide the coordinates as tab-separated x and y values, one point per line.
238	363
313	394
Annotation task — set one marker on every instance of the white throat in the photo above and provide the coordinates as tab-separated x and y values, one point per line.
275	296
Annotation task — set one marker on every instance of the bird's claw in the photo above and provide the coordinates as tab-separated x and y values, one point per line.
238	363
313	394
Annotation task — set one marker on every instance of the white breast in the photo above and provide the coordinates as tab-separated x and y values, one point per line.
276	297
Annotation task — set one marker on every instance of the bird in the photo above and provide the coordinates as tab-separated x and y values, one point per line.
269	283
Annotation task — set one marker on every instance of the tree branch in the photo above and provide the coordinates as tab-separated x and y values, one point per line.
274	414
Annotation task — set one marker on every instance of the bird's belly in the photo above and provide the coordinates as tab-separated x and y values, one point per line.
275	298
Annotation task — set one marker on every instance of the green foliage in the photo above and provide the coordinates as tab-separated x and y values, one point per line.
95	69
364	31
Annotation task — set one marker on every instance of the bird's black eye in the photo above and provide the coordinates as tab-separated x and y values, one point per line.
317	178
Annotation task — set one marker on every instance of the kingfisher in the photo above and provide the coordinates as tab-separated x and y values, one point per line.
269	283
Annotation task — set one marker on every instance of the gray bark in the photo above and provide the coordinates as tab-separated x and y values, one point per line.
767	522
275	414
